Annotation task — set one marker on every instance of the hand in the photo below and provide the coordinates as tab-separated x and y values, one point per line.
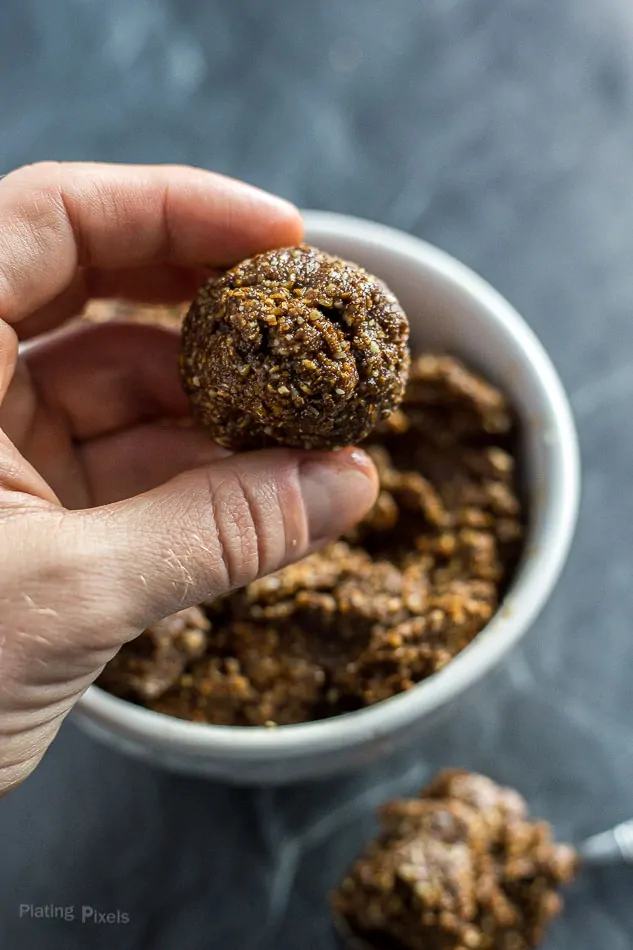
111	514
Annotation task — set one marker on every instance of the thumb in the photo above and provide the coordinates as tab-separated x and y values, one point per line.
216	528
81	582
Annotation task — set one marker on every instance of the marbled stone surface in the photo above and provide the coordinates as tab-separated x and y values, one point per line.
502	130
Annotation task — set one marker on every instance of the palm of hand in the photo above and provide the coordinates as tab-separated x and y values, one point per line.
97	412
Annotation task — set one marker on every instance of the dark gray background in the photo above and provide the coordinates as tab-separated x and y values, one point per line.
501	130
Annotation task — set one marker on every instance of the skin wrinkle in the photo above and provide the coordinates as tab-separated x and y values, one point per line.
187	582
234	524
16	699
199	543
16	770
219	556
52	217
24	727
45	664
65	220
76	670
292	513
74	548
41	642
23	759
48	645
253	533
166	250
153	513
22	748
180	578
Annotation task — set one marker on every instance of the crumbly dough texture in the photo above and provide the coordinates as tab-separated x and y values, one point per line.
294	347
461	867
160	656
377	612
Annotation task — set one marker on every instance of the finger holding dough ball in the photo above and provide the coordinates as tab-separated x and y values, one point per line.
294	347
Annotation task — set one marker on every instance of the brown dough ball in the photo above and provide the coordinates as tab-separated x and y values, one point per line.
294	347
461	866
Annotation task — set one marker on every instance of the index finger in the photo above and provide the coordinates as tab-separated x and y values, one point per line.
58	217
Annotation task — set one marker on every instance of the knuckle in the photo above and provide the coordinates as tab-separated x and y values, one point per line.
238	526
37	199
40	172
36	189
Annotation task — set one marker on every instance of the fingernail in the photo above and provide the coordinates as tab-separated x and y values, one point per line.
338	490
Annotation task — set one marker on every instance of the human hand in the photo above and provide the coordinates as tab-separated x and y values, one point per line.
112	515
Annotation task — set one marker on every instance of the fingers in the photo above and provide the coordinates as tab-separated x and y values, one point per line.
8	356
16	411
112	389
57	218
154	284
109	376
132	461
20	482
214	529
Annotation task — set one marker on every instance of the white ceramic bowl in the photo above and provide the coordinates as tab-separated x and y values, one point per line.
450	308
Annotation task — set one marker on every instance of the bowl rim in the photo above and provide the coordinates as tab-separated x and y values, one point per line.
528	593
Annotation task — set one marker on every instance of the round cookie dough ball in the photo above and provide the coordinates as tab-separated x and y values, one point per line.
294	347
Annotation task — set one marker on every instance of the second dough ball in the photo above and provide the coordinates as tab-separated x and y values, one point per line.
294	347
